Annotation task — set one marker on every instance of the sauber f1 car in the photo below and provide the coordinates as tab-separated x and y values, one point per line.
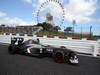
35	48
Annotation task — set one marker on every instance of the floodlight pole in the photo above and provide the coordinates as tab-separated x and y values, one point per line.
74	22
73	29
81	31
90	31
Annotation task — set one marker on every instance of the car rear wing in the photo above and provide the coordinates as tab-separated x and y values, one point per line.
17	40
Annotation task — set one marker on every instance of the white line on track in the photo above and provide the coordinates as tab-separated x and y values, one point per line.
89	55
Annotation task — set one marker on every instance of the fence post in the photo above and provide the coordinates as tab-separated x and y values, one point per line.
96	49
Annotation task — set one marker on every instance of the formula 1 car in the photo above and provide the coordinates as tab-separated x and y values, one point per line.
35	48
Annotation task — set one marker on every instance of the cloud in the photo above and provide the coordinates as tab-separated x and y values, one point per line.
14	21
79	10
81	7
95	20
2	14
28	1
18	21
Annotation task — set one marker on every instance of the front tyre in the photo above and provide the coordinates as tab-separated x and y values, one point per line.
73	59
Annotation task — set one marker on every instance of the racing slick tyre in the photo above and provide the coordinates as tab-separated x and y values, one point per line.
72	59
58	56
12	49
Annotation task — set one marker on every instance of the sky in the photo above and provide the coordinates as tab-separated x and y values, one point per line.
86	13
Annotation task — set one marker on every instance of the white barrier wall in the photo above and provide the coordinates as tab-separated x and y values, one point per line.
81	46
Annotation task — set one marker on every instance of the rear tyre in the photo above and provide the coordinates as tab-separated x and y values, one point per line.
59	56
12	49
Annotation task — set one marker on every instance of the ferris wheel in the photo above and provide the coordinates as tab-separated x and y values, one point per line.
51	10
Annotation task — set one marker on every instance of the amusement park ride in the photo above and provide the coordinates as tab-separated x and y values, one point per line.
50	17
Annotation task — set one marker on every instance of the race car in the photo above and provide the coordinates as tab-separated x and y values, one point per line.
35	48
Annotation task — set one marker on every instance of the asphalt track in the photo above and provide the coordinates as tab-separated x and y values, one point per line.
26	65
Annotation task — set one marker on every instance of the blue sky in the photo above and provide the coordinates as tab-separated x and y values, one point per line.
23	12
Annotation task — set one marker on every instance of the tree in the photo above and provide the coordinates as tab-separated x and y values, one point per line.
2	28
57	28
68	29
49	27
3	25
46	26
